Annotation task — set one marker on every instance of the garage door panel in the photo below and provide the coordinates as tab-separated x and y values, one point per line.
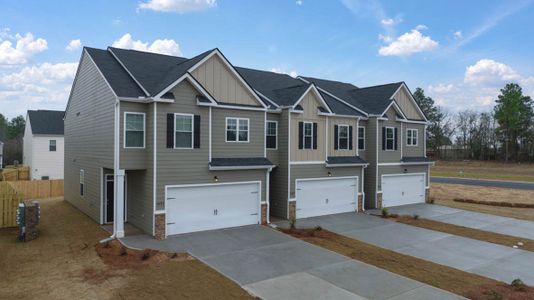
207	207
326	196
402	189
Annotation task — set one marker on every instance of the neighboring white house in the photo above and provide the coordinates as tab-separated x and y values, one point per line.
44	144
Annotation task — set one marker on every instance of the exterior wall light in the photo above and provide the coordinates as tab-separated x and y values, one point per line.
329	174
215	178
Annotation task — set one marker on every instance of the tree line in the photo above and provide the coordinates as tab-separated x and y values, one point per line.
11	134
505	133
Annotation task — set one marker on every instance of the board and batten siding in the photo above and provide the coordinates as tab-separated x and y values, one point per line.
331	136
310	104
222	84
370	155
321	171
389	155
223	149
190	166
279	176
89	123
406	104
384	170
413	151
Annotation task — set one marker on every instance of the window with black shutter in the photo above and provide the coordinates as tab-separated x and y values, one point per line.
389	138
308	135
343	137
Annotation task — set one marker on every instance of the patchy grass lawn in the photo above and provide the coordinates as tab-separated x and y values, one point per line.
63	264
477	234
467	284
444	194
484	170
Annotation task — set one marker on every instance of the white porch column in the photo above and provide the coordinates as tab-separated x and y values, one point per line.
118	221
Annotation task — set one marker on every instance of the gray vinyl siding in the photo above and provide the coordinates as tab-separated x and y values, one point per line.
273	154
320	171
139	199
399	170
370	156
418	150
362	153
135	158
278	185
190	166
389	155
89	124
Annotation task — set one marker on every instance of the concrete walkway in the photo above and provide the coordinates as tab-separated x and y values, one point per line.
482	182
272	265
486	259
487	222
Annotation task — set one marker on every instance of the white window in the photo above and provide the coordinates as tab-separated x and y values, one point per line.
411	137
134	130
82	182
237	130
183	131
343	137
52	145
390	138
308	135
271	132
361	138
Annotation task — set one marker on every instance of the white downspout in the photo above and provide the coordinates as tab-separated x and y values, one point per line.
118	183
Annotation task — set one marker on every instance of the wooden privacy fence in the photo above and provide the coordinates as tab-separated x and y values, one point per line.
12	173
36	189
9	201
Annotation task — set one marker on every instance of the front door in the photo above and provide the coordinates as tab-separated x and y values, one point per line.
110	197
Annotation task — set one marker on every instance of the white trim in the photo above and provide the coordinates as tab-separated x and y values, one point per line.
335	97
209	134
229	168
401	140
124	129
405	163
326	129
231	68
411	98
154	165
416	137
314	89
192	130
396	106
237	107
237	130
101	195
424	141
364	165
267	197
128	71
276	135
376	165
159	212
412	121
386	138
363	188
340	116
307	162
357	144
339	139
192	81
265	135
210	184
288	163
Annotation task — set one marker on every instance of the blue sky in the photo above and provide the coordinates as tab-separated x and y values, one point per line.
460	52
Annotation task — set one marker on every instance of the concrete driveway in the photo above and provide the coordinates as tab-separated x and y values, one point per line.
487	222
486	259
272	265
482	182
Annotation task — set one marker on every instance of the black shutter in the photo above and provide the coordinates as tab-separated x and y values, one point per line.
170	130
383	138
396	138
336	142
196	129
350	137
314	135
301	134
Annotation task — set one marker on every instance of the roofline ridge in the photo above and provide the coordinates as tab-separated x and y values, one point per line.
379	85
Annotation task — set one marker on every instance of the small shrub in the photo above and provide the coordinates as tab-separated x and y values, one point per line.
385	212
318	228
518	285
292	223
493	295
415	217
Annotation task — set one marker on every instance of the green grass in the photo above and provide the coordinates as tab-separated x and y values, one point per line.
491	176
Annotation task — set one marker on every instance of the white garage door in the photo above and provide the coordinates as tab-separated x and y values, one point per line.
324	196
206	207
401	189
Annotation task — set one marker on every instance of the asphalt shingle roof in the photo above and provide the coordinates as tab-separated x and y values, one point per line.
46	121
416	159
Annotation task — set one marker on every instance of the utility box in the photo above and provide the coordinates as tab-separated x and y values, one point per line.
28	215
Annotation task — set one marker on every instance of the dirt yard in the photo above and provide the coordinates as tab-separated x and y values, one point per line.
445	194
63	263
459	282
484	170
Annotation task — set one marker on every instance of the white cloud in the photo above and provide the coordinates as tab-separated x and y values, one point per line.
458	35
299	2
25	47
388	22
74	45
408	44
421	27
385	38
178	6
42	86
441	88
488	71
165	46
292	73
